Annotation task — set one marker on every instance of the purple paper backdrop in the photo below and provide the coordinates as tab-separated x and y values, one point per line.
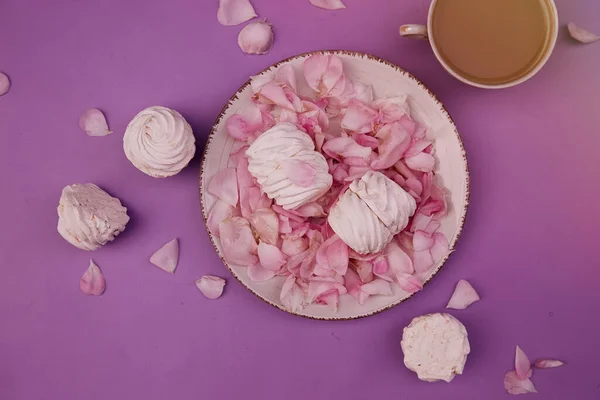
530	245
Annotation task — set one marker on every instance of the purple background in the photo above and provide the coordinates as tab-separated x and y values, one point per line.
529	246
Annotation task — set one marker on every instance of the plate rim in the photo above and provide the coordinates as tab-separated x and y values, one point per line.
228	104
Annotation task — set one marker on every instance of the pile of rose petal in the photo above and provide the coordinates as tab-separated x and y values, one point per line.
518	380
356	133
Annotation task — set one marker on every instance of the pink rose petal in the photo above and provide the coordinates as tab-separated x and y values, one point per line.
92	122
166	257
219	213
224	185
314	121
285	226
440	247
464	295
311	210
366	140
4	84
246	123
381	268
398	260
270	93
300	173
286	76
514	385
377	287
237	240
422	261
328	4
92	281
343	147
581	35
542	364
409	283
271	257
235	12
339	172
337	255
323	73
258	273
266	224
395	140
364	269
422	241
211	286
292	247
292	216
320	287
256	38
416	147
359	117
421	162
292	296
522	364
395	109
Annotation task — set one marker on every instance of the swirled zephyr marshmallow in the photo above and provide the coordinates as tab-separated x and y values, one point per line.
370	212
286	166
435	346
159	142
88	217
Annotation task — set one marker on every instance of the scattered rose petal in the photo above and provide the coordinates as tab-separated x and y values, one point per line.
464	295
309	210
256	38
409	283
581	35
235	12
522	364
394	109
421	162
345	147
237	240
167	256
359	117
286	76
219	213
271	257
92	281
211	286
514	385
92	121
266	224
328	4
292	296
542	364
294	246
243	125
362	291
4	84
333	253
422	241
395	140
324	74
224	185
258	273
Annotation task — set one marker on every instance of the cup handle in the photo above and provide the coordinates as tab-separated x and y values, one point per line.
414	31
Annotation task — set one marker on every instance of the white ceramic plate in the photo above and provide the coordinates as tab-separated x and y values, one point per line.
387	80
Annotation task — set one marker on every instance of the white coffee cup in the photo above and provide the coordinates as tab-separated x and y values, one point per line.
425	32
